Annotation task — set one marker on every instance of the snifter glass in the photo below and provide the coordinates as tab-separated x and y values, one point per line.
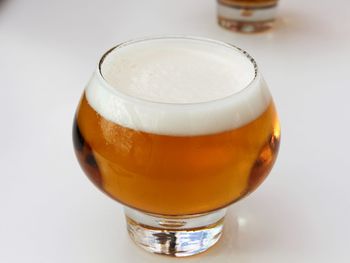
176	129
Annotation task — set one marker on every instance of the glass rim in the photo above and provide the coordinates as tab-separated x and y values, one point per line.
136	99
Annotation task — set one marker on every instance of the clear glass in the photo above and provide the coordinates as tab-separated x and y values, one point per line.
246	16
175	181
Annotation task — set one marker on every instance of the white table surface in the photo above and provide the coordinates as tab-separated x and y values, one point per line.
49	210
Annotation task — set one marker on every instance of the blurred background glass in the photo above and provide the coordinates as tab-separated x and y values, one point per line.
247	16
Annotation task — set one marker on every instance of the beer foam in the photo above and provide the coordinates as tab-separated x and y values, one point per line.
178	86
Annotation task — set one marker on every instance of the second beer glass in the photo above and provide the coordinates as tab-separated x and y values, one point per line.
247	16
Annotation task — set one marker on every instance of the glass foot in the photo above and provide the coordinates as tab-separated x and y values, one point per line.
177	236
246	19
246	27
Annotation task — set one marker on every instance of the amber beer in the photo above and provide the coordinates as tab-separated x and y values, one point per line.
253	3
175	175
247	16
176	129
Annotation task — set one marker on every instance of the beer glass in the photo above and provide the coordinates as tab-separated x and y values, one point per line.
246	16
176	129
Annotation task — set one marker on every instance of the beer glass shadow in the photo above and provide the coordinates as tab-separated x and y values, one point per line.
291	24
291	21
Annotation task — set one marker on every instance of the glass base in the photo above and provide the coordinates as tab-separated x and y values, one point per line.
245	27
177	236
246	19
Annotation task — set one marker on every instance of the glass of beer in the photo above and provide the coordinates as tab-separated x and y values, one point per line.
247	16
176	129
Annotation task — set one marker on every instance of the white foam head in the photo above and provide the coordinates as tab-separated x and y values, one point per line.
178	86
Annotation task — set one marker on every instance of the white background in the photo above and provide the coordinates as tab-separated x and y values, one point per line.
50	212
